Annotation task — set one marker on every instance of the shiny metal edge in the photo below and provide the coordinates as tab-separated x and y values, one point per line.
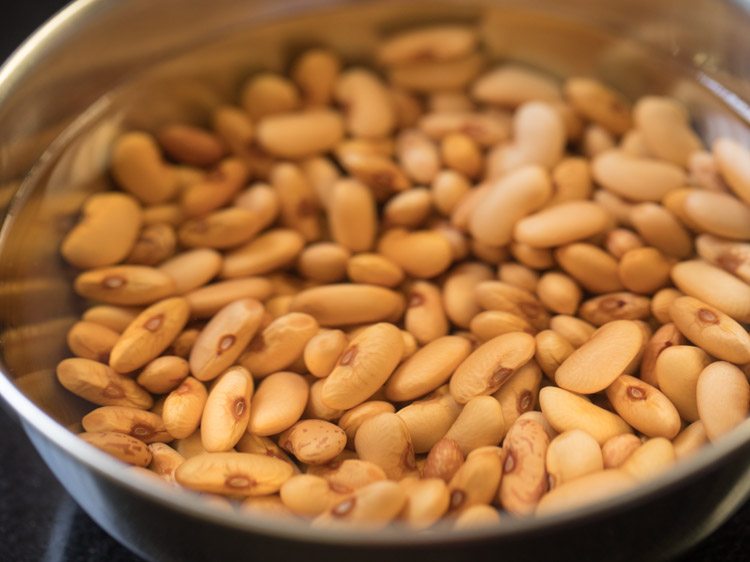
117	472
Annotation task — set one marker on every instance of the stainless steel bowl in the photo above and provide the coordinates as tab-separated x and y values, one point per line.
99	67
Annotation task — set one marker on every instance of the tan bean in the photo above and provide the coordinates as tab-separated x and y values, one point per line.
599	103
298	135
315	72
585	490
462	154
650	459
492	323
183	408
676	371
369	108
278	403
322	175
496	295
566	222
371	507
140	424
718	213
644	270
193	269
723	397
524	479
155	243
422	254
183	343
138	168
662	301
269	94
261	200
428	420
100	384
224	338
324	262
512	85
163	374
487	253
237	474
425	318
571	181
91	341
408	107
733	257
106	233
349	473
436	75
298	203
263	446
227	410
444	460
347	304
591	266
615	306
418	155
487	128
449	102
711	330
124	285
221	229
535	258
661	229
620	241
674	201
666	336
597	140
644	407
266	253
559	293
574	330
458	292
409	209
364	366
665	126
190	446
352	419
384	440
116	318
235	128
519	394
190	145
427	501
616	206
552	350
732	161
476	481
703	171
310	495
570	455
518	275
379	173
352	215
476	516
714	286
632	143
217	189
208	300
439	42
280	344
316	408
690	440
313	441
121	446
374	269
565	411
617	449
637	179
323	350
480	423
164	461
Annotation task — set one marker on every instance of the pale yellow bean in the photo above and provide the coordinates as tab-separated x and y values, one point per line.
732	161
570	455
348	304
428	420
664	124
315	72
227	410
644	407
723	397
384	440
637	179
298	135
425	318
714	286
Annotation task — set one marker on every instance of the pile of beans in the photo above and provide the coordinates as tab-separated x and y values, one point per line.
438	291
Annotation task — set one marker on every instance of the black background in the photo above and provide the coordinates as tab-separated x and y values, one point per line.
40	522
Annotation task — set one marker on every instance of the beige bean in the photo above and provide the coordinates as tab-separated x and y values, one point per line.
183	408
221	229
425	318
100	384
261	200
519	394
439	42
269	94
559	292
733	257
703	171
458	292
617	449
570	455
152	331
155	243
428	420
436	75
265	254
352	215
323	350
280	344
427	501
644	407
164	461
315	72
512	85
353	419
488	128
91	340
237	474
190	145
718	213
409	209
374	269
462	154
298	135
224	338
193	269
732	162
564	223
535	258
163	374
444	460
322	175
565	411
121	446
496	295
490	365
217	189
508	200
313	441
190	446
585	490
278	403
574	330
711	329
637	179
263	446
347	304
106	233
183	343
208	300
644	270
449	102
615	306
596	140
138	168
524	479
364	366
418	155
369	108
690	440
599	103
124	285
298	202
618	207
476	516
310	495
422	254
487	253
676	371
714	286
384	440
661	229
371	507
476	482
408	107
661	303
349	473
492	323
235	128
632	143
518	275
316	408
723	397
379	173
650	459
591	266
664	124
666	336
140	424
116	318
571	181
227	410
620	241
480	423
598	362
552	350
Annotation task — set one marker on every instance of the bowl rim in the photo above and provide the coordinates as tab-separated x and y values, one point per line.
190	504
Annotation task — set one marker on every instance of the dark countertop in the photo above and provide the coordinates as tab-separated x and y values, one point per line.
39	521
